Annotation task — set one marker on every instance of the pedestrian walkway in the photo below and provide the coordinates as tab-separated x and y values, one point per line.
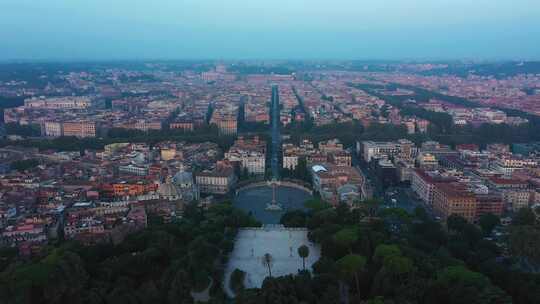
280	242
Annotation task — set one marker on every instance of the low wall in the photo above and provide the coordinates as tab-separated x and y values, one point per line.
279	183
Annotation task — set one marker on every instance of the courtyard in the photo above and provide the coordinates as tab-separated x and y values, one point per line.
281	243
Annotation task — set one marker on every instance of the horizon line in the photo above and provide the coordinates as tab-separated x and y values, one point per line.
215	59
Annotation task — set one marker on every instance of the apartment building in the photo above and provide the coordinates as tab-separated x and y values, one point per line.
402	148
218	181
292	153
228	125
226	119
454	198
182	125
249	154
427	161
489	203
79	128
516	193
507	165
334	183
52	129
131	169
58	103
423	182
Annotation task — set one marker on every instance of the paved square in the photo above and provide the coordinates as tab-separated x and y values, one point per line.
282	243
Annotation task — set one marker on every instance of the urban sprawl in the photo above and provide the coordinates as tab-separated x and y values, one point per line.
152	141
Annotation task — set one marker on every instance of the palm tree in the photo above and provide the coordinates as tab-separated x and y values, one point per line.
267	261
303	252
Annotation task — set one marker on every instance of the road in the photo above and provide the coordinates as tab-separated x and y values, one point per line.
366	187
275	133
402	199
405	199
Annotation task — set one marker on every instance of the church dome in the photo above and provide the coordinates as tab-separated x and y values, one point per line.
168	190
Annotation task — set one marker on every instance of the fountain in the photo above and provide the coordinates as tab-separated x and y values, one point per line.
273	205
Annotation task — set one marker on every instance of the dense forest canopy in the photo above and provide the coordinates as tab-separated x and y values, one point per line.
389	256
162	264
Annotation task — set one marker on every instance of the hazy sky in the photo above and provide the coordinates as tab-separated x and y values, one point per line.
269	29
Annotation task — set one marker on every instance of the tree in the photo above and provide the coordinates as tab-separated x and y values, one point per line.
200	251
23	165
68	277
398	265
303	252
524	217
244	175
393	264
456	223
22	130
383	251
488	222
324	265
201	281
160	264
346	237
7	255
236	282
376	300
421	213
458	284
471	234
295	218
371	206
525	242
178	290
350	265
268	261
316	204
301	170
454	274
